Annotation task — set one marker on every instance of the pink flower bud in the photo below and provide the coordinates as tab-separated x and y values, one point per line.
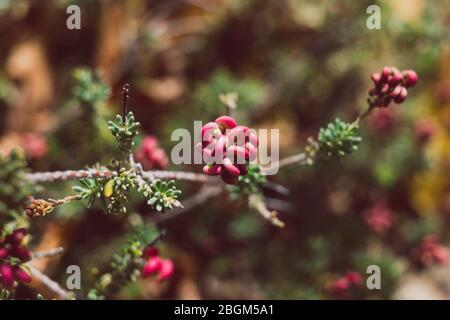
252	151
167	269
385	73
237	155
212	170
6	271
402	96
153	265
226	122
376	77
394	93
410	78
230	167
396	77
21	275
150	251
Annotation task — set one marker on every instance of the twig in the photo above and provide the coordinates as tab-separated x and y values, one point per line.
276	187
256	202
207	192
48	253
69	175
49	283
177	175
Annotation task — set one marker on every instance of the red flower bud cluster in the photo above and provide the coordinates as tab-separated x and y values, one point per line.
431	251
227	149
150	155
11	250
379	217
391	85
343	284
154	264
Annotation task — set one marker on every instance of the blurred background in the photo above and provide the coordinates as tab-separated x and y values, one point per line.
296	65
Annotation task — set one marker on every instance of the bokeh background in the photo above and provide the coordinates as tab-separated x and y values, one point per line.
296	65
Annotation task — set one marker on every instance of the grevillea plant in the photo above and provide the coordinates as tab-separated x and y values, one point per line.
229	151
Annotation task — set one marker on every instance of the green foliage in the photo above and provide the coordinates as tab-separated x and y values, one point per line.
339	138
88	88
125	130
14	190
126	263
90	189
161	195
250	91
4	294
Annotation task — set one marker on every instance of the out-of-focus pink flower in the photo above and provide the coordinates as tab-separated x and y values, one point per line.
339	285
384	121
342	286
379	217
354	278
35	146
424	130
150	155
431	251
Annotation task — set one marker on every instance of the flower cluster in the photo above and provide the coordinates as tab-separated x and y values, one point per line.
391	85
378	218
13	253
227	149
154	264
431	251
343	284
150	155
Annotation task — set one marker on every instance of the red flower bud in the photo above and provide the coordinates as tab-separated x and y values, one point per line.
376	77
17	236
153	265
167	269
22	253
229	179
4	253
150	251
213	169
385	73
6	271
394	93
230	167
410	78
21	275
226	122
402	96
